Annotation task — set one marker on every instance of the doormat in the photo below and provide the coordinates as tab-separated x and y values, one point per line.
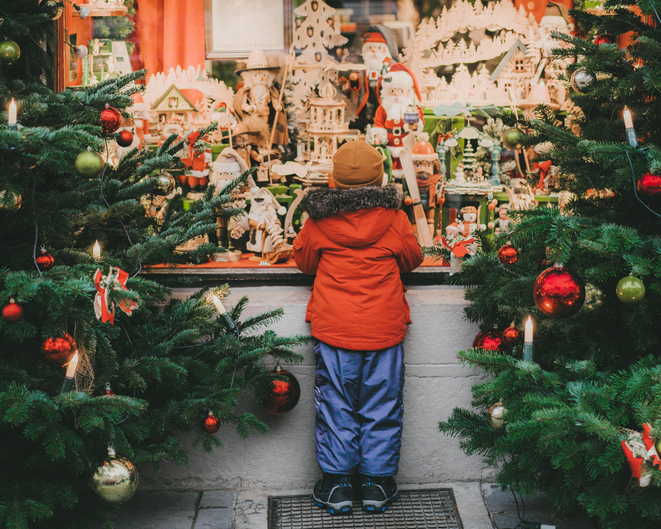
415	509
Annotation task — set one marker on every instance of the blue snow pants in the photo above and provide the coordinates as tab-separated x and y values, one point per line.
359	402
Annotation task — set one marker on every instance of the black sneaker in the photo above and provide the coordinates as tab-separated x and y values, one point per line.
333	493
378	493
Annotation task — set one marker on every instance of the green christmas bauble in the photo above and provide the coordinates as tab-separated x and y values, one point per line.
10	52
89	164
512	138
630	289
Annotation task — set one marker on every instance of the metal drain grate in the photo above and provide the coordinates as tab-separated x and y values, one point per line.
415	509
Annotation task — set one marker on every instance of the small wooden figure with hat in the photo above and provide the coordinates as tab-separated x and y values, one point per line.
257	104
430	182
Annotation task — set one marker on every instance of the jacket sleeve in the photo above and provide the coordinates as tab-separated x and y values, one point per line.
409	256
306	253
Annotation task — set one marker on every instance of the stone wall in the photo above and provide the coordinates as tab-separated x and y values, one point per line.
283	458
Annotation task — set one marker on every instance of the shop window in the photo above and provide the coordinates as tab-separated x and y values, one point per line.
203	60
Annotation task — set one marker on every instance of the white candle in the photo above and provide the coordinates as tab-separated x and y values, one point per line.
219	306
527	337
12	113
96	250
73	364
628	120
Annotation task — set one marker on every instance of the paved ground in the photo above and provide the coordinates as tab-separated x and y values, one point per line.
503	511
480	507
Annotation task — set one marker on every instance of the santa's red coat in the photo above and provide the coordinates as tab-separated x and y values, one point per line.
395	127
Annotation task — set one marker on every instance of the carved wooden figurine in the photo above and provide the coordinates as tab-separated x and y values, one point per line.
257	103
397	115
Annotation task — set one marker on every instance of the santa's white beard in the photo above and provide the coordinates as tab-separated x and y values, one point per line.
373	63
395	107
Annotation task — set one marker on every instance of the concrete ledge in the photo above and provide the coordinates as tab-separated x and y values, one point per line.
284	458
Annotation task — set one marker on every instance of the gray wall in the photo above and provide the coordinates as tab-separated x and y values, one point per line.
284	457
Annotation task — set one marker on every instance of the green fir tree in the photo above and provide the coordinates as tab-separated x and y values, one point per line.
594	377
167	365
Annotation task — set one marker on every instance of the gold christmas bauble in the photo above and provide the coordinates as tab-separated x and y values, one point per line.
115	481
496	416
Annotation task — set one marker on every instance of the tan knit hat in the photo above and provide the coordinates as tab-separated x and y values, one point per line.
357	164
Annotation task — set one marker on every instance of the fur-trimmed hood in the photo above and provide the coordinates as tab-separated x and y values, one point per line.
324	201
354	217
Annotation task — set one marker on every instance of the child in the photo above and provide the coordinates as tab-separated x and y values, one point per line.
357	241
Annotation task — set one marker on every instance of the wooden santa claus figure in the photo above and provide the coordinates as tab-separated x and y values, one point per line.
398	115
379	53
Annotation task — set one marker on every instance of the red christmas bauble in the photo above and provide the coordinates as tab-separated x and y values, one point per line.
559	292
59	350
125	138
211	423
604	38
490	340
511	336
649	186
111	120
45	260
284	393
508	254
12	312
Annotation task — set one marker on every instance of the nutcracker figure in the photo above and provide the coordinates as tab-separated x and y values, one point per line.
430	181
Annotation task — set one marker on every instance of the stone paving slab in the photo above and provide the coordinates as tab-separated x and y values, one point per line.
251	512
214	519
217	499
159	510
502	509
484	507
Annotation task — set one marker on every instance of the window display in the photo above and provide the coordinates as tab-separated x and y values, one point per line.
278	86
